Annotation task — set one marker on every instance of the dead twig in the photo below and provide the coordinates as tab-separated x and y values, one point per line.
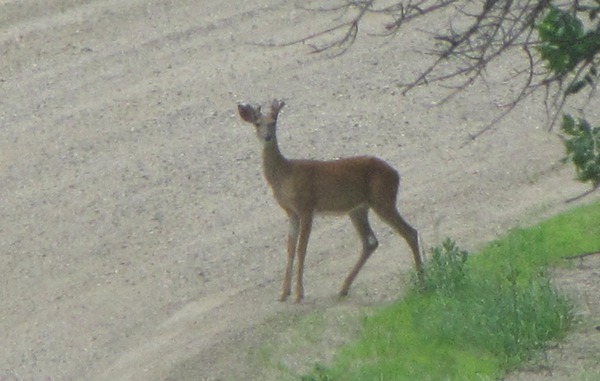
584	194
583	255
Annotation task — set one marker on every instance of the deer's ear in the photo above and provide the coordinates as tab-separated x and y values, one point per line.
276	106
248	113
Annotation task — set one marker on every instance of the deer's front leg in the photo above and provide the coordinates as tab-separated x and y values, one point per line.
294	229
305	228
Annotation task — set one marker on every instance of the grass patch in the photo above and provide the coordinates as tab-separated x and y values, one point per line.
479	315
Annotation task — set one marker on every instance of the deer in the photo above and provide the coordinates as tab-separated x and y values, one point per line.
304	188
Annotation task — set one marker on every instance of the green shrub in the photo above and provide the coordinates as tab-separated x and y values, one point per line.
499	309
475	320
445	271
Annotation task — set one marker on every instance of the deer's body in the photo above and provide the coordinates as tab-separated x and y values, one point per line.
305	187
302	185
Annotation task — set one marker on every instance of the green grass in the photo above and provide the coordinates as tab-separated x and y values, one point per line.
478	317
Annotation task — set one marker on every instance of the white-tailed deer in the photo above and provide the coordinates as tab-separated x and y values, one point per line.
305	187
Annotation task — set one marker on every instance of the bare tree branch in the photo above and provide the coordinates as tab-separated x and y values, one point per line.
479	33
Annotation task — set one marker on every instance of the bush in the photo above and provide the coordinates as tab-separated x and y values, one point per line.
474	320
499	310
445	271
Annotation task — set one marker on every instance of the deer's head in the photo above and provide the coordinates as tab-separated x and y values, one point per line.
265	124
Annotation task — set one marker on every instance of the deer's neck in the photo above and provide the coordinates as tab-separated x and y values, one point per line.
274	164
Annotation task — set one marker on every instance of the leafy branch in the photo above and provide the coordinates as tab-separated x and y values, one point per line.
583	150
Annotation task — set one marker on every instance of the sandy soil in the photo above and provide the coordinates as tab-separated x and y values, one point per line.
139	240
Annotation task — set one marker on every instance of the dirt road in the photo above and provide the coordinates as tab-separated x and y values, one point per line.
139	240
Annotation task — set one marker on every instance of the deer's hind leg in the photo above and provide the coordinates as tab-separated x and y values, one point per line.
390	215
360	220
